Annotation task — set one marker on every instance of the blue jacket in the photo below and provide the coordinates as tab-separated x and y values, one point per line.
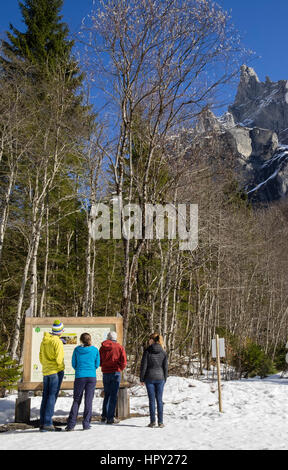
85	361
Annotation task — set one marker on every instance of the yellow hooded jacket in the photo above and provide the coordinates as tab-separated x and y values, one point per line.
51	354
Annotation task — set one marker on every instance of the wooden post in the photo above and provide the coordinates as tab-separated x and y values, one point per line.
218	374
123	404
22	407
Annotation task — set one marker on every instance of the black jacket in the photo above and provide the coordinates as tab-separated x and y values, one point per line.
154	364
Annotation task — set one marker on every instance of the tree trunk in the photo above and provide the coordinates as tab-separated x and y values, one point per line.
4	218
45	275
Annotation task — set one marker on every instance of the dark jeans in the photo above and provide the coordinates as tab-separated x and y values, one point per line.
51	387
155	391
111	384
81	385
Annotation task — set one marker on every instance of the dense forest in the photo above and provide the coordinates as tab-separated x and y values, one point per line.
153	67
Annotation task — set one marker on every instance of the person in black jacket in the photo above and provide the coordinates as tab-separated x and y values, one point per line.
153	373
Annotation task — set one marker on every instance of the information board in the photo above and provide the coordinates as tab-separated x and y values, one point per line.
97	327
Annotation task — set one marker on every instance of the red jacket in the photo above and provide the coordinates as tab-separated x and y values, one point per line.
112	357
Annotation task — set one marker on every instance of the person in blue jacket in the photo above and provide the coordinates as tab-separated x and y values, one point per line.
85	361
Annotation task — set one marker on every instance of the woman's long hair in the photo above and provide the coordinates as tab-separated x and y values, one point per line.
157	338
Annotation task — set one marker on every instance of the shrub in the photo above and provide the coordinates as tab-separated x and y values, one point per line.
249	359
280	358
10	372
254	361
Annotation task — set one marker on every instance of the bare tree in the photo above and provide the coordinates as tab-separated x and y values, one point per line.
56	137
155	59
15	139
93	187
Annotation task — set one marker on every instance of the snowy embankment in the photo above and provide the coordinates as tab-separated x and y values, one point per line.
255	417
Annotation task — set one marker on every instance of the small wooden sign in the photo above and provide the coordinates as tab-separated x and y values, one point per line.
222	352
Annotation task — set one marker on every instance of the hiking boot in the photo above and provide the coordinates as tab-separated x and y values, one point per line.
152	425
103	420
47	429
113	421
161	425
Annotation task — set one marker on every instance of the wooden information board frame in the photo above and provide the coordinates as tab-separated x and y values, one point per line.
23	402
47	322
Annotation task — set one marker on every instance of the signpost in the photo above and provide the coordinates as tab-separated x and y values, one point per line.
218	350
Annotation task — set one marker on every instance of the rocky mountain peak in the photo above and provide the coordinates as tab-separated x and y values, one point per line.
248	75
252	136
207	122
261	104
249	87
255	131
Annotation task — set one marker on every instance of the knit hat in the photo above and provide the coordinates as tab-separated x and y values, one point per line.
57	327
112	335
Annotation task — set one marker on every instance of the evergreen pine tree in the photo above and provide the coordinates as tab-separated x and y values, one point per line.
42	54
10	372
46	37
46	47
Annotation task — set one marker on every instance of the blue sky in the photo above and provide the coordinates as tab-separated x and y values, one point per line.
73	11
262	24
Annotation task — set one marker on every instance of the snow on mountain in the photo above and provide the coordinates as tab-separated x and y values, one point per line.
255	131
261	104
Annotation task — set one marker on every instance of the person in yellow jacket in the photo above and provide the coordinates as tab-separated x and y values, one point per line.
52	359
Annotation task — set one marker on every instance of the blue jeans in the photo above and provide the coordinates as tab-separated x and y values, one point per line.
155	392
111	384
82	384
51	387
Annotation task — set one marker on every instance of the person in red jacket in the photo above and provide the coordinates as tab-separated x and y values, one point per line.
112	361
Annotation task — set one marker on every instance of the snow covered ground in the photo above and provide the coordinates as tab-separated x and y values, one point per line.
255	417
